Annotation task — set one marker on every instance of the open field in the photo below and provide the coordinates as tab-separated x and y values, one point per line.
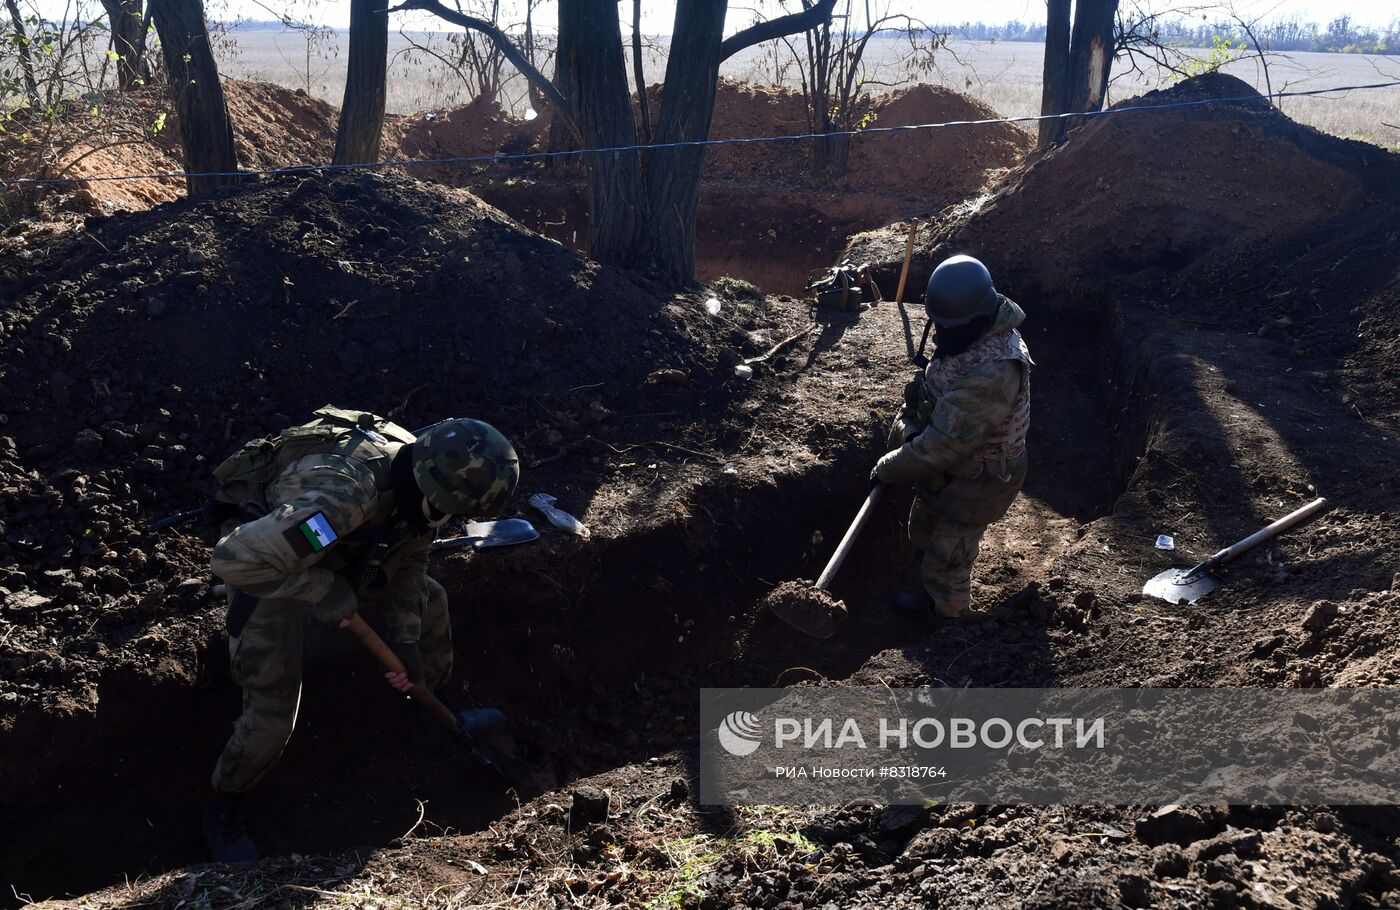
1005	75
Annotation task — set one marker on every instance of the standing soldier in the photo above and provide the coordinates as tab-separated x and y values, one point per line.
961	436
348	505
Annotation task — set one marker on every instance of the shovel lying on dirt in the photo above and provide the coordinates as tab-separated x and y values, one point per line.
1183	584
479	534
810	609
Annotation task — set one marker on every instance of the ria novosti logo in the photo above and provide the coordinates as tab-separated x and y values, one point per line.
739	733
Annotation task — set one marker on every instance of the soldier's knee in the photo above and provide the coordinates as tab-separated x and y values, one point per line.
437	670
269	735
437	595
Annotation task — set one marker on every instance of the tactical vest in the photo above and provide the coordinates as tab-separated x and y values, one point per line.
1009	441
244	476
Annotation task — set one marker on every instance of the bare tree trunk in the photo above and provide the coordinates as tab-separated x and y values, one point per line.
1054	91
597	72
362	112
637	221
206	134
687	108
638	73
26	62
561	138
128	42
1091	54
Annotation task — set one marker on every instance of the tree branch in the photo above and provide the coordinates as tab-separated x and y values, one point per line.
780	27
508	50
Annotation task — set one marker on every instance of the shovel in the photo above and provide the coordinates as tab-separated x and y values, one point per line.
480	534
454	723
812	611
1183	584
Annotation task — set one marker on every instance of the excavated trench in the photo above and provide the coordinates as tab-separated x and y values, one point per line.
594	650
777	238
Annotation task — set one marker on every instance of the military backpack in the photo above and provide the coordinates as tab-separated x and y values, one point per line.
244	475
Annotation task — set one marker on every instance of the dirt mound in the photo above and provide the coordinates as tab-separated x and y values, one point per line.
950	163
743	111
138	133
1153	190
276	127
476	129
138	355
938	164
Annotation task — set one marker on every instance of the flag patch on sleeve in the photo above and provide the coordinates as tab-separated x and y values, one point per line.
311	535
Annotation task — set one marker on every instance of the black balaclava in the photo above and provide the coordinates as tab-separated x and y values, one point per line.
950	341
408	497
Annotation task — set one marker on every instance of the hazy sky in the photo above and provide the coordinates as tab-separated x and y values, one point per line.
657	15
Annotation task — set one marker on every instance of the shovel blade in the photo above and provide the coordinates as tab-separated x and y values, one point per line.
1178	585
816	621
481	534
807	609
503	533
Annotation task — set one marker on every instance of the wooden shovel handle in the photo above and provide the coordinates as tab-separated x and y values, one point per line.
908	258
1291	520
390	661
844	548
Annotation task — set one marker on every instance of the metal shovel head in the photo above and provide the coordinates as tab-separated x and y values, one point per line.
503	533
1178	585
806	608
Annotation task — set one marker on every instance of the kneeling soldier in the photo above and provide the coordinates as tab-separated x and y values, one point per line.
348	504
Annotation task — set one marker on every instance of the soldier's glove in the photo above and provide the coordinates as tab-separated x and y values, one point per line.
875	476
340	602
901	431
913	390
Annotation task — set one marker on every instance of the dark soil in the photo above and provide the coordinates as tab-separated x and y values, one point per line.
142	352
701	497
806	608
1196	388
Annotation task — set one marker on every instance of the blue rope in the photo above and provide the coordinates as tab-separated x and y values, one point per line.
690	143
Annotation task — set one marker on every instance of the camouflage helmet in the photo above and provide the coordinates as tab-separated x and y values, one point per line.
959	291
465	467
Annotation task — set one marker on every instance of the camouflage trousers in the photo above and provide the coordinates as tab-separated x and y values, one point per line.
949	552
265	657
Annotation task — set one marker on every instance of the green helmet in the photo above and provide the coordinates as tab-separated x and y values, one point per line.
959	291
465	467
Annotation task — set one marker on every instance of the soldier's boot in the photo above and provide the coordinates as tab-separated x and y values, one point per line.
915	604
946	568
225	832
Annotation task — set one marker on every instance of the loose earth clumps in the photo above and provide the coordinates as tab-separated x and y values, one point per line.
1197	387
806	608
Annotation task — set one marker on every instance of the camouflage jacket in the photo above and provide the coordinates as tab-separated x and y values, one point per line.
326	510
976	414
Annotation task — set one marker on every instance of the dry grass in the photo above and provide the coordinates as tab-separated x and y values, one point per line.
1005	75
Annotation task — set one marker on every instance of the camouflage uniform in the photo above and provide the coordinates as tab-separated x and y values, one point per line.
347	480
965	454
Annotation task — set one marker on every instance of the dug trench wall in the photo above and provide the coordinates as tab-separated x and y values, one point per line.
138	355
